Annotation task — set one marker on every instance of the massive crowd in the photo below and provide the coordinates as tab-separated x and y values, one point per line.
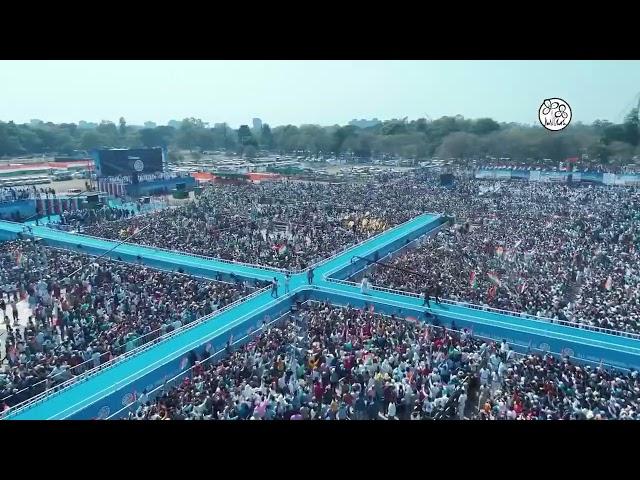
83	312
565	252
281	224
558	251
332	363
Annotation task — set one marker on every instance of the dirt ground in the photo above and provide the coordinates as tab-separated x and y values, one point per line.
65	185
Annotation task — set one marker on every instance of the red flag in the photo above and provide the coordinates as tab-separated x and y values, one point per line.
472	279
491	293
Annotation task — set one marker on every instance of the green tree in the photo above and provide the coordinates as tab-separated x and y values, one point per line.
459	145
9	140
631	127
190	133
417	139
149	137
285	137
266	137
340	136
245	137
30	140
484	126
93	139
621	152
440	128
613	133
109	133
157	137
395	127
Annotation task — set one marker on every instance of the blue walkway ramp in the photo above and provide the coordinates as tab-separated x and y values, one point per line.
151	256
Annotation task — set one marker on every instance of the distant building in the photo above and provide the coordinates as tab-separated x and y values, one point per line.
365	123
35	122
150	125
220	125
257	125
174	123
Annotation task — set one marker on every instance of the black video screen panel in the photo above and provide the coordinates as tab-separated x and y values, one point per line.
447	179
127	162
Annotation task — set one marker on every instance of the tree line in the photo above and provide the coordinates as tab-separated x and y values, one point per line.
449	137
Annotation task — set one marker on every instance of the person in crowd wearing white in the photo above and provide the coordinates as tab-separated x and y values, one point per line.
364	286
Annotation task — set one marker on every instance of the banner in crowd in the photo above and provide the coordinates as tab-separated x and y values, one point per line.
494	174
559	176
553	177
493	277
523	174
115	189
627	180
57	205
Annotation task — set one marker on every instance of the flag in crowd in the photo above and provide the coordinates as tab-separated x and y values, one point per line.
522	286
491	293
493	277
608	283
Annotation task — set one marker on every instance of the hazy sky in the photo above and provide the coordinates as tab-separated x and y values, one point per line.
321	92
